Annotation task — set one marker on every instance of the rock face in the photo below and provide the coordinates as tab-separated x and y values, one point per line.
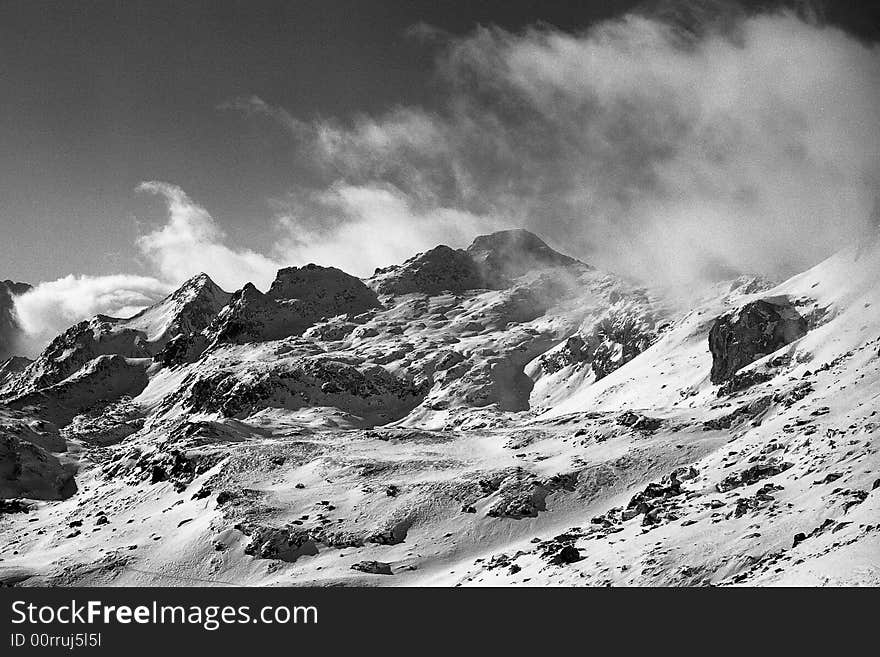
27	470
12	366
297	299
442	269
323	291
610	341
9	328
755	330
301	382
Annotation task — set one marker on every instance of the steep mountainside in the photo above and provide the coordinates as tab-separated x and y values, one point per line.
502	414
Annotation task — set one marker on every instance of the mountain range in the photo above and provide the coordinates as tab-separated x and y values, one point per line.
498	415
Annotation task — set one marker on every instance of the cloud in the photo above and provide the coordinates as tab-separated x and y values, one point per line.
51	307
666	150
188	243
359	228
192	242
673	149
256	106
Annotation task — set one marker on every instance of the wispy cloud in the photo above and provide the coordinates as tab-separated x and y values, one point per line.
191	242
256	106
748	143
360	227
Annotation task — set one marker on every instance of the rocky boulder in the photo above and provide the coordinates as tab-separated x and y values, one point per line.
755	330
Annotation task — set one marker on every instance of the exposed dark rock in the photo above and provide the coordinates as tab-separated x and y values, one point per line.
748	412
755	330
298	298
751	475
310	381
187	310
14	506
165	464
790	397
12	366
373	567
391	536
330	331
441	269
567	554
572	351
608	343
639	422
282	543
323	291
743	380
182	349
617	338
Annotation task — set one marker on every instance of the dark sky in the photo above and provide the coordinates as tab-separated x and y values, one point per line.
97	96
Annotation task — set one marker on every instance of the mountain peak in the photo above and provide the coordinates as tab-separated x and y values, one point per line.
190	308
511	253
330	290
197	284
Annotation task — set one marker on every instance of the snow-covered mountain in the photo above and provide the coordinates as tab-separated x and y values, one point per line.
502	414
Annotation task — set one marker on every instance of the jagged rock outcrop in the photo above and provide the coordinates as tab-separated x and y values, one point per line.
607	343
297	299
617	338
9	328
12	366
323	291
27	470
309	381
442	269
750	333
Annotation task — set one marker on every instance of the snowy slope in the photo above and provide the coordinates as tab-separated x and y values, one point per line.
492	418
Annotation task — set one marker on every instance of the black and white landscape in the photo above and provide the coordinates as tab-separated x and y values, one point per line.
607	312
